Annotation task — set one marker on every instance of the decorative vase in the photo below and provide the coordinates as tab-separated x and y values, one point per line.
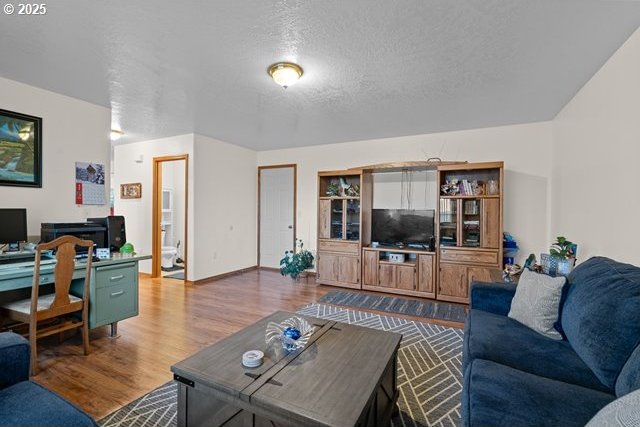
565	266
549	264
492	187
555	266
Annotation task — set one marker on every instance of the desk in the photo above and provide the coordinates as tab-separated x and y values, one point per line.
113	287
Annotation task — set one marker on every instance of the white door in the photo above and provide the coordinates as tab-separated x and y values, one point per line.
276	215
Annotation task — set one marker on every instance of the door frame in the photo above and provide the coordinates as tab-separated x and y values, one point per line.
294	166
156	208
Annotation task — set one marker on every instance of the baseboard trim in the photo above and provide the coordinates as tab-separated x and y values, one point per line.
223	275
307	277
277	270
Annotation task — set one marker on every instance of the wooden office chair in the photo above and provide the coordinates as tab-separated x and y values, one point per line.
61	303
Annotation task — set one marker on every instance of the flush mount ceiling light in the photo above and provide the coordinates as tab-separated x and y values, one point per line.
116	134
285	73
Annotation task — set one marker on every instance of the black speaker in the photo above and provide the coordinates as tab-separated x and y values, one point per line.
115	235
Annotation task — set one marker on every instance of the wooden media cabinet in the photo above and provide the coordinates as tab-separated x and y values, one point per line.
468	233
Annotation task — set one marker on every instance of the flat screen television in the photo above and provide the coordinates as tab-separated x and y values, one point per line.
393	227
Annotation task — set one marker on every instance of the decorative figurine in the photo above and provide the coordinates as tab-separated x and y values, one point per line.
343	186
353	190
450	188
333	190
293	333
530	262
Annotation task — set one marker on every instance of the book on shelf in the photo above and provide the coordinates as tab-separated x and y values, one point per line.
471	207
469	188
447	206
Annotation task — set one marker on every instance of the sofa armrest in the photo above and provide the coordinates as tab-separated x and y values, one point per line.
15	356
492	297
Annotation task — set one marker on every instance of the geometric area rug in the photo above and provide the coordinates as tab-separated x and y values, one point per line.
395	305
429	374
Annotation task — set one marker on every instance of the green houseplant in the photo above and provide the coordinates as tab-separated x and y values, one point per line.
563	248
561	257
295	262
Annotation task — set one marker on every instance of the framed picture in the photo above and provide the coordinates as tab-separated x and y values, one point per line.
131	191
20	150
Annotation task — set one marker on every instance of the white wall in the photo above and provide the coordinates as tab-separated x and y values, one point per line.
138	212
72	130
525	149
225	207
596	154
222	201
387	190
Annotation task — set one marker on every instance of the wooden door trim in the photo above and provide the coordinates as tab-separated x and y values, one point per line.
156	207
294	166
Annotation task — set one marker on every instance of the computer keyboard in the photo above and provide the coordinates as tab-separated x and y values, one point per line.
13	258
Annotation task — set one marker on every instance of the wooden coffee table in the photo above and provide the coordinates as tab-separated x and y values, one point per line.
345	376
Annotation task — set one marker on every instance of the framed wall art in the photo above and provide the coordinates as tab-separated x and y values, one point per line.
20	150
131	191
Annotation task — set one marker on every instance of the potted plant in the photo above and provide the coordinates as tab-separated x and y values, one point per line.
561	258
563	248
296	262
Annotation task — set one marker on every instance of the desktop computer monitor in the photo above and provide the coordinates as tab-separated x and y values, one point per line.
13	226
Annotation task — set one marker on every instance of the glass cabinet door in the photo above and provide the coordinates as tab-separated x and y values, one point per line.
448	222
353	219
336	219
471	223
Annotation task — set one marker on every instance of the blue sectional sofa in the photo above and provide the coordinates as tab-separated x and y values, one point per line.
514	376
25	403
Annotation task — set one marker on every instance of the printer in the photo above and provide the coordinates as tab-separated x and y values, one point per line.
82	230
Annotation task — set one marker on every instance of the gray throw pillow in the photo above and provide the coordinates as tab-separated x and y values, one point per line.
536	303
622	412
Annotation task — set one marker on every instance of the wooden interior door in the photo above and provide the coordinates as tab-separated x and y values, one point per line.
349	269
328	267
490	233
370	264
386	275
405	277
453	281
426	276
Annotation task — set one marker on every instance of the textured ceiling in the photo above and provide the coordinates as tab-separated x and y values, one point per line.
372	68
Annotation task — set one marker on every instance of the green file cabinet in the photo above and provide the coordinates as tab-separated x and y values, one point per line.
114	294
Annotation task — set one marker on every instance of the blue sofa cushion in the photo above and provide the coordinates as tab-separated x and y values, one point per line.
503	340
14	359
492	297
28	404
601	317
497	395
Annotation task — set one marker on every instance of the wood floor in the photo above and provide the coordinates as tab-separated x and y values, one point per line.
175	321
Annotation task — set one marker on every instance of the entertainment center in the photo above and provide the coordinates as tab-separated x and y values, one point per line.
429	253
